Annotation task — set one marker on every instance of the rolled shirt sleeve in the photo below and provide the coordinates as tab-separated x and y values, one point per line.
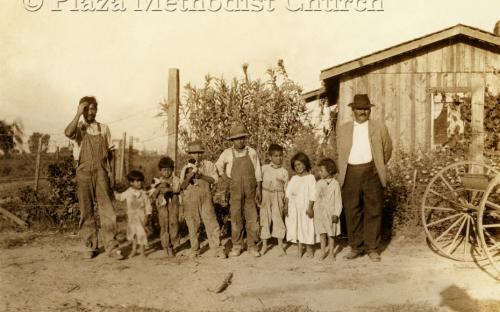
256	164
209	169
221	163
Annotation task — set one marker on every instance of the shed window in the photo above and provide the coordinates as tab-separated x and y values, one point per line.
448	124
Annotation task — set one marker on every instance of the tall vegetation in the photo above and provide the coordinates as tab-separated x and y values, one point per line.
271	109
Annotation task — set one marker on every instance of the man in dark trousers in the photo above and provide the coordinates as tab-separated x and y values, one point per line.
92	176
364	148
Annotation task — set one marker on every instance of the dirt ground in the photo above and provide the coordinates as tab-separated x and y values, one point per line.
45	272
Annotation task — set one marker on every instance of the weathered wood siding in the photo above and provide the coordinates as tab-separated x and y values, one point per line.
401	89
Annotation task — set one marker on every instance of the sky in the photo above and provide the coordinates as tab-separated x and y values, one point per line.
51	57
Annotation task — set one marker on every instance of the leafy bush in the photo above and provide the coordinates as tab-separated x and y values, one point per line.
57	208
272	110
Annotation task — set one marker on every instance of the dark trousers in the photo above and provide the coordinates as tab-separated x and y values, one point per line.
94	197
168	216
199	208
363	200
243	212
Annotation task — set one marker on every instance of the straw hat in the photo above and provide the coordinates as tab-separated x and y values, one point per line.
238	130
195	147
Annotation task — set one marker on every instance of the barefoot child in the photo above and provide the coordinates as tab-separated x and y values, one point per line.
327	207
300	197
165	192
274	181
138	207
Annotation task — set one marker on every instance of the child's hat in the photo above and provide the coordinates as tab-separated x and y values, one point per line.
195	147
238	130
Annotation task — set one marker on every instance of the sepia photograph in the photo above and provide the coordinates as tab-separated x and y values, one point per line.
250	155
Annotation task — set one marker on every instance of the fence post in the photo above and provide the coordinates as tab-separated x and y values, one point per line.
37	164
130	152
172	113
477	120
122	156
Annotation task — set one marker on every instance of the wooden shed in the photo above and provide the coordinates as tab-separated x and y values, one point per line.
418	85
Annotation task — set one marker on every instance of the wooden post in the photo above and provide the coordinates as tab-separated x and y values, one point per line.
113	168
130	152
477	118
172	113
122	160
37	164
57	154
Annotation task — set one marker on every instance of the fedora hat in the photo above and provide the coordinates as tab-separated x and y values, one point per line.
361	101
195	147
237	130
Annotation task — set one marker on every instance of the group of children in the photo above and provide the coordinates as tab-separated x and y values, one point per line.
300	210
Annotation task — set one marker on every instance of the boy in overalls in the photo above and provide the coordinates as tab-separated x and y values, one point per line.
92	177
241	164
197	178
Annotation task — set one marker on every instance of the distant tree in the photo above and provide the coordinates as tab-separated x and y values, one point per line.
10	136
33	142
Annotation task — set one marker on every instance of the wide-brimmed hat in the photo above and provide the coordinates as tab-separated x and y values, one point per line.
361	101
195	147
238	130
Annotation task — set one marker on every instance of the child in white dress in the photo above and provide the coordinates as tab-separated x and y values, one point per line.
327	207
138	208
300	196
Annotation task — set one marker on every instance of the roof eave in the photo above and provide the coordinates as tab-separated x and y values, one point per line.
408	47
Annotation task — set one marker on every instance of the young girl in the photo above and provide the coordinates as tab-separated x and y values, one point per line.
274	181
300	197
327	207
138	207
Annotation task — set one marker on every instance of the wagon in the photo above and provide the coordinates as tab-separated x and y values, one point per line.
460	213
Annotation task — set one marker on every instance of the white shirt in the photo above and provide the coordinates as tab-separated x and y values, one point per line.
226	160
361	152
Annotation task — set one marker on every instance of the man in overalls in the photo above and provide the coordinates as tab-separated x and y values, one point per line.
92	177
241	164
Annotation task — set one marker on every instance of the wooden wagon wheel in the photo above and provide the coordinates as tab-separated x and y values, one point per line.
450	206
488	223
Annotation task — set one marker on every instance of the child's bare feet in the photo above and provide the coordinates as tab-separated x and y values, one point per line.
309	251
281	251
299	250
332	255
141	250
264	247
324	254
133	253
170	252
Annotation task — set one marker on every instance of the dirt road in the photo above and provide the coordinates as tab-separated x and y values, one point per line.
44	272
